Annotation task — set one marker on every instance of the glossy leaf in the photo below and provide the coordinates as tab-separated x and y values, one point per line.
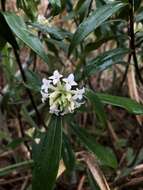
123	102
46	162
68	154
95	45
103	154
54	32
18	26
5	29
105	60
93	21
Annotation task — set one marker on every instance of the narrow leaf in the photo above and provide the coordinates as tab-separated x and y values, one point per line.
123	102
105	60
18	26
68	154
94	21
104	154
46	163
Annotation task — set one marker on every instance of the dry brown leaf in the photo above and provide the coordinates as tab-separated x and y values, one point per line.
61	169
96	171
133	91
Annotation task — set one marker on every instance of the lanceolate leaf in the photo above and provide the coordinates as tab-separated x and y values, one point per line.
55	32
105	60
123	102
47	159
18	26
68	154
94	21
95	45
103	154
6	34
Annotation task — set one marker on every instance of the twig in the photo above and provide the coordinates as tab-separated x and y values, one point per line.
133	182
23	133
39	119
126	71
3	4
15	180
80	186
132	39
25	183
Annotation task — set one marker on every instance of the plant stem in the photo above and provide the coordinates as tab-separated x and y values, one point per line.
126	71
3	4
39	120
132	39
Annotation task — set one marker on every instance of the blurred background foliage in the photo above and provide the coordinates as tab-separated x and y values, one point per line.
100	145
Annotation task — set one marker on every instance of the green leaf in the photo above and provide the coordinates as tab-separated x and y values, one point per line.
104	154
46	163
27	116
55	32
123	102
98	107
92	182
68	154
6	34
95	45
16	142
2	42
94	21
33	80
29	7
82	8
18	26
14	167
56	6
105	60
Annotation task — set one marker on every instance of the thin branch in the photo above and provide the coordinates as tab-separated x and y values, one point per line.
3	4
39	119
132	39
126	71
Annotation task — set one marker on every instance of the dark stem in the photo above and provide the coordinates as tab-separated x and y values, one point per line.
39	120
3	4
22	133
126	71
133	47
132	40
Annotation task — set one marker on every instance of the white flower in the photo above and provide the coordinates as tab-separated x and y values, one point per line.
69	82
44	96
61	97
56	77
53	109
46	84
79	94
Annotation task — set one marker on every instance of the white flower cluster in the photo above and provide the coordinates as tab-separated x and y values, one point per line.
61	93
